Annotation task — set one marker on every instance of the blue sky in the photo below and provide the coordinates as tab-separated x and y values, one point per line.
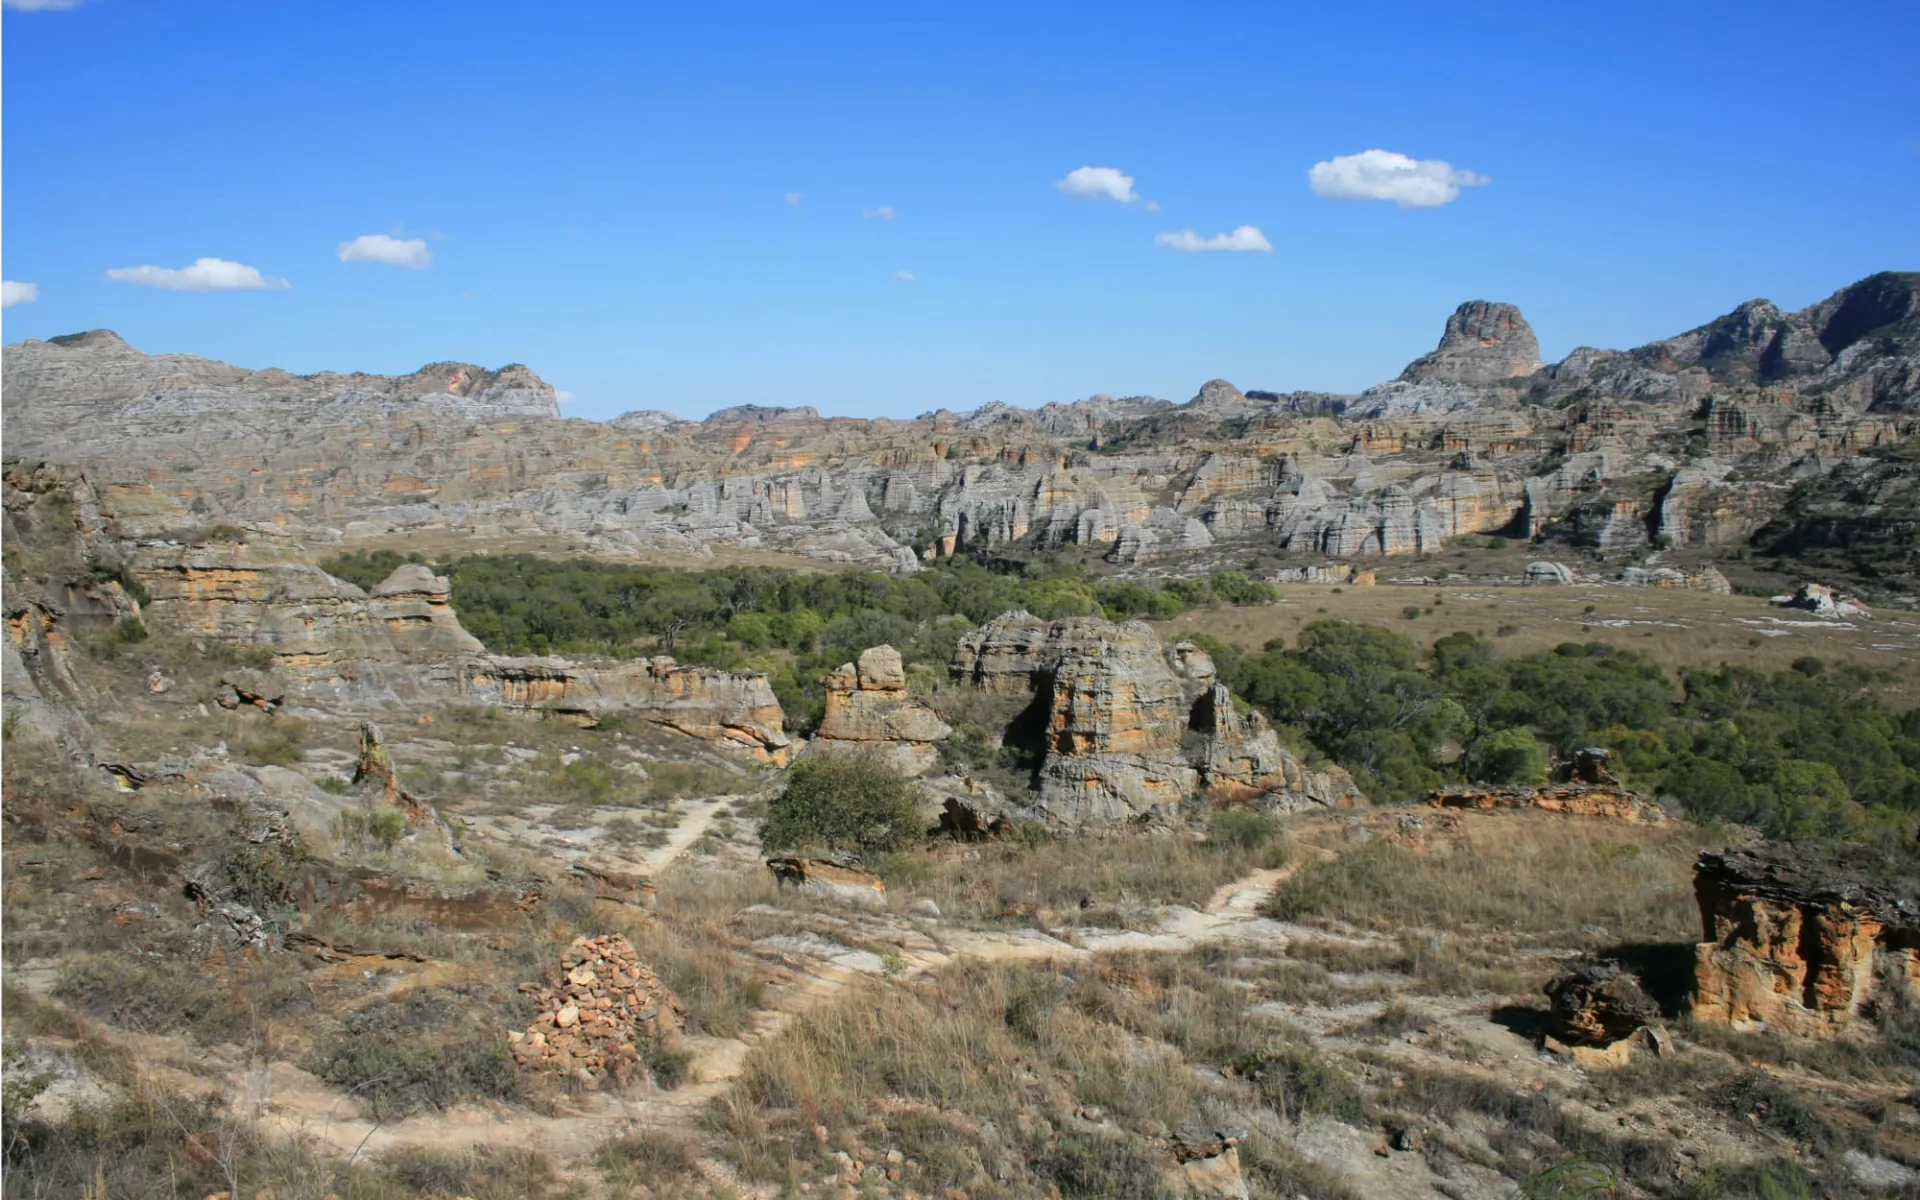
604	190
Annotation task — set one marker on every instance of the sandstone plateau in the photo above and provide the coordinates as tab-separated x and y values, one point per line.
1777	431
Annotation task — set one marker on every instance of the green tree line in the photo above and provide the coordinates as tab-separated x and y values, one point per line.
1805	752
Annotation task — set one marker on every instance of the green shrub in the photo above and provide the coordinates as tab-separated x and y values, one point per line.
1242	829
1511	756
844	802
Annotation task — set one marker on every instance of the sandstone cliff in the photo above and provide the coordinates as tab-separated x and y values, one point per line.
1698	440
1803	938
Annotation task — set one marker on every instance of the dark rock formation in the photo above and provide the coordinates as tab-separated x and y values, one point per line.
1597	1004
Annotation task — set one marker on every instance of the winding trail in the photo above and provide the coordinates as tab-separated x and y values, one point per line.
296	1102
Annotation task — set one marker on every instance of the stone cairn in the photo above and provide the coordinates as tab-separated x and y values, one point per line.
600	1017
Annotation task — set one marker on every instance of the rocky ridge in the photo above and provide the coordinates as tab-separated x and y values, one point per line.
1700	441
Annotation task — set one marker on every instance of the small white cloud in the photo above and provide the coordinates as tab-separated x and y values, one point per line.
379	248
883	213
1246	238
12	293
42	5
794	199
1099	183
562	396
205	275
1151	206
905	276
1385	175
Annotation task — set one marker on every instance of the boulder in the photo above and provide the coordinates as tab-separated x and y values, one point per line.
1548	573
1597	1004
1804	937
868	707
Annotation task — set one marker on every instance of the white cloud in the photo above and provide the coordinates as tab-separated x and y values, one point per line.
794	199
379	248
12	293
905	276
562	396
884	213
205	275
1151	206
42	5
1099	183
1243	239
1385	175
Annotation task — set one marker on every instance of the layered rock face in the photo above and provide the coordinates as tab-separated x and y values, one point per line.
1243	763
868	708
1702	439
1802	939
401	644
1130	730
1484	343
1115	715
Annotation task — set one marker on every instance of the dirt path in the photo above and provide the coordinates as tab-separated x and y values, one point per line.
297	1102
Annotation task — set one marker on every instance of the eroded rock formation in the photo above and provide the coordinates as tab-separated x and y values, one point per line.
1129	730
1700	440
1573	799
1803	938
868	707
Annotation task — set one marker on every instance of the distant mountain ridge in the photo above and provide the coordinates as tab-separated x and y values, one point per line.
1696	442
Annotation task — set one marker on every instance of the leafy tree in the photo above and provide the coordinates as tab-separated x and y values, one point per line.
843	802
1510	756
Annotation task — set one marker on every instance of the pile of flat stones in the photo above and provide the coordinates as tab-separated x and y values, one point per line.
600	1018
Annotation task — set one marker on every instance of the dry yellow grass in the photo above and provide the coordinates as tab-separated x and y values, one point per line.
1675	628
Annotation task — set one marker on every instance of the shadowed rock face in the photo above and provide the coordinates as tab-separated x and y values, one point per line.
1484	343
1802	938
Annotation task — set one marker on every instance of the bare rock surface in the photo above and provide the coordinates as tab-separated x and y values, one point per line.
1788	422
1803	937
868	707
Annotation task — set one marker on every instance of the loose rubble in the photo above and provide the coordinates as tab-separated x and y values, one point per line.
602	1016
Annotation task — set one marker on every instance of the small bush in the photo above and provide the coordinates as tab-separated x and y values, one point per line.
1299	1081
426	1050
844	802
1242	829
159	996
1102	1166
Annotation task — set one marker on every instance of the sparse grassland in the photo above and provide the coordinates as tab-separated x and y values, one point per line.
1678	629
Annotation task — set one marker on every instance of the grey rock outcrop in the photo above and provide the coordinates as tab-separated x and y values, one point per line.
1484	343
1132	731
